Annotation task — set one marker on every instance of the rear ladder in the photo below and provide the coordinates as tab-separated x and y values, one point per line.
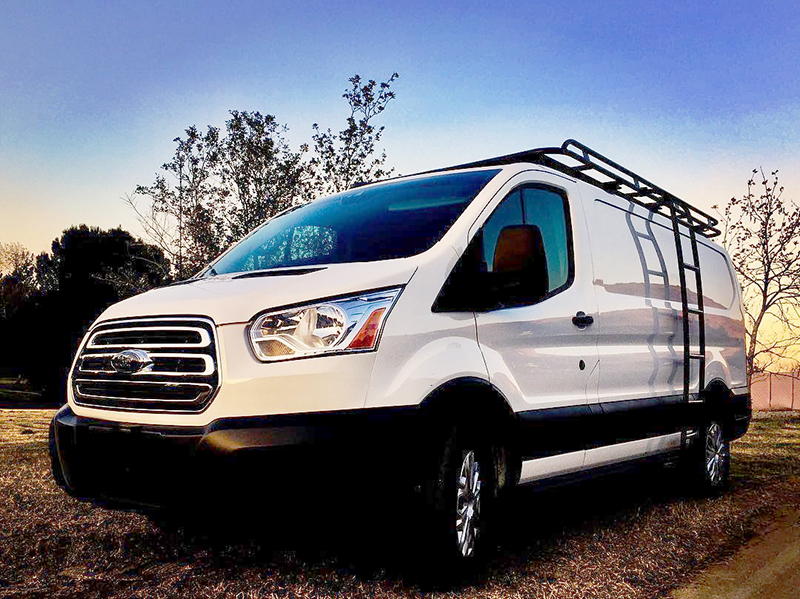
681	218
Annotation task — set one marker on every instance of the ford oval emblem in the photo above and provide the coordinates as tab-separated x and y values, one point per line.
131	361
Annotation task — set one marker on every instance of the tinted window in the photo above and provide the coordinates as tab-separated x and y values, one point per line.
507	214
394	220
521	255
544	209
547	210
718	290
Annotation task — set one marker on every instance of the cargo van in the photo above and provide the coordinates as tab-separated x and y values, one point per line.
529	318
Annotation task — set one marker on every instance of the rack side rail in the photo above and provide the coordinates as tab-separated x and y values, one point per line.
581	162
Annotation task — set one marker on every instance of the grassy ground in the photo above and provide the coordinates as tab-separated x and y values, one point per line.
624	537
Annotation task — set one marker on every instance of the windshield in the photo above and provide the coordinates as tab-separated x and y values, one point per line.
393	220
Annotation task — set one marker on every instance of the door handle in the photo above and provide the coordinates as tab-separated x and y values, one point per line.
582	320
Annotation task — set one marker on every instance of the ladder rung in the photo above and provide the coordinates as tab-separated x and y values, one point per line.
697	356
695	311
644	235
657	273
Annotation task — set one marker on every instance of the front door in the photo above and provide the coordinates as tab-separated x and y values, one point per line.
541	349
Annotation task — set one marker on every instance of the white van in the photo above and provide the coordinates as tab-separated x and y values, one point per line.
530	317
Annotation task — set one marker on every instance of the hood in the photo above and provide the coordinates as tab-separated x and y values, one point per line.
238	297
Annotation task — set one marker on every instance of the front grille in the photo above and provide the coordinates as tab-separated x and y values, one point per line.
174	367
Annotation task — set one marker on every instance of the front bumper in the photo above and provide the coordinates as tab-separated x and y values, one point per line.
160	465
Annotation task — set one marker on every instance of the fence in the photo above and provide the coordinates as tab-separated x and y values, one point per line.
775	391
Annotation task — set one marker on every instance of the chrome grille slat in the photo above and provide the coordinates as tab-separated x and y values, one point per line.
179	372
142	332
208	364
202	391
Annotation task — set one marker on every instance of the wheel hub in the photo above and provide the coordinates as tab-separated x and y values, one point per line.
716	453
468	504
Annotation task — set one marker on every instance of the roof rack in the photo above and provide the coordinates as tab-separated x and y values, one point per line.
577	160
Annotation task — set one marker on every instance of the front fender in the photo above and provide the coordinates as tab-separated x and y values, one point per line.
408	370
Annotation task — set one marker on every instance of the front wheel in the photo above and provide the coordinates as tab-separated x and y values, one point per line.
468	504
460	495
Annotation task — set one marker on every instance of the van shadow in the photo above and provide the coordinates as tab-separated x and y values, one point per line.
376	537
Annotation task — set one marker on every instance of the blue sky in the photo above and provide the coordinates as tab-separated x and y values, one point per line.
691	95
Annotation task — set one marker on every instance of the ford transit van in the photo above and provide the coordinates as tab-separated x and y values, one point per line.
521	319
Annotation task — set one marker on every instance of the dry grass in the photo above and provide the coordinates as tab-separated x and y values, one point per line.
625	537
20	427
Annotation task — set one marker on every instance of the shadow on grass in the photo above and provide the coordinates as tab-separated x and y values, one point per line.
380	540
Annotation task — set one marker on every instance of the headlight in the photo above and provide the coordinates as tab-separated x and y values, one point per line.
348	324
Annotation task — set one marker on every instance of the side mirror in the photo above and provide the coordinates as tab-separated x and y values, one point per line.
466	288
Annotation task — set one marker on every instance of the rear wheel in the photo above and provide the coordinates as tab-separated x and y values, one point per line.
710	459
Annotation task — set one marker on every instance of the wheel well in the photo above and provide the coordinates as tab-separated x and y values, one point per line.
474	402
717	404
479	397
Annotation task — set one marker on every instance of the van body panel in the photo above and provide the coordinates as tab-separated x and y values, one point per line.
640	334
620	452
533	470
422	350
639	327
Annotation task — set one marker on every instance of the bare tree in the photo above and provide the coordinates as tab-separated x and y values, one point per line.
762	234
186	209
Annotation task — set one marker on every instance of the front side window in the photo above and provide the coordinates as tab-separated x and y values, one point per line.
547	209
521	255
394	220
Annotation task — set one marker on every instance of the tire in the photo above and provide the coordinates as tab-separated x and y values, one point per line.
460	497
55	462
710	460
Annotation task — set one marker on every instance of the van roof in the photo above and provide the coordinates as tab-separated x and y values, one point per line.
581	162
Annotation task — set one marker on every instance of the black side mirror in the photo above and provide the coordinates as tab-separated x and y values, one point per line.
465	290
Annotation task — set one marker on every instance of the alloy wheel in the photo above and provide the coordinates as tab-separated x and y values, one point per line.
716	454
468	504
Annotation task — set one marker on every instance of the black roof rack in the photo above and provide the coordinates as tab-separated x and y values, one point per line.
576	160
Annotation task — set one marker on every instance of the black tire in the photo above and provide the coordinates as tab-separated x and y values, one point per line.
709	460
55	462
461	495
